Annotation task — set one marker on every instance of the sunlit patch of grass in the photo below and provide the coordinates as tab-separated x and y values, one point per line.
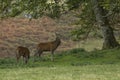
91	44
89	72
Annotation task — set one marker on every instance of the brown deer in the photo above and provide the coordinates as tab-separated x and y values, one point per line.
24	52
48	46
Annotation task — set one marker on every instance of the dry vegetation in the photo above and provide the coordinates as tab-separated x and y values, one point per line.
21	31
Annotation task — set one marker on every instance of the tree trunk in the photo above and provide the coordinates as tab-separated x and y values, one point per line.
108	34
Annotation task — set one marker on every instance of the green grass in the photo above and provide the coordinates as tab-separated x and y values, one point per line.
76	64
90	72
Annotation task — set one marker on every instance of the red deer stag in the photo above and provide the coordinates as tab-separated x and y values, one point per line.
24	52
48	46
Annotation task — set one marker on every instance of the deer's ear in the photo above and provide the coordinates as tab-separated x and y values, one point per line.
58	35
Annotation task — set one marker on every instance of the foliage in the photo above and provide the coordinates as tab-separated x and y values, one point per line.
87	20
73	4
35	8
38	8
54	9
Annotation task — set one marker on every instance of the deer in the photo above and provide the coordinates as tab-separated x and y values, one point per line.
48	46
23	52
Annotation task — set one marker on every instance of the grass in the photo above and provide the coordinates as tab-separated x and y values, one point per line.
90	72
76	64
91	44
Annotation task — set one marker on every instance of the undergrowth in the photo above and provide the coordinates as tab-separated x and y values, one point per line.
74	57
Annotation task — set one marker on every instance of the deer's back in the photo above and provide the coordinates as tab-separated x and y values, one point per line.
23	51
46	46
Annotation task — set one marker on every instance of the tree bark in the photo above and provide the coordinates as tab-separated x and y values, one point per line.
108	34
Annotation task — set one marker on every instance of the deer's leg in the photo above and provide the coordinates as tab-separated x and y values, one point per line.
40	52
26	59
28	56
37	54
18	57
23	59
52	55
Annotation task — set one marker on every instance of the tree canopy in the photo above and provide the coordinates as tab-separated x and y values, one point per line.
55	8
